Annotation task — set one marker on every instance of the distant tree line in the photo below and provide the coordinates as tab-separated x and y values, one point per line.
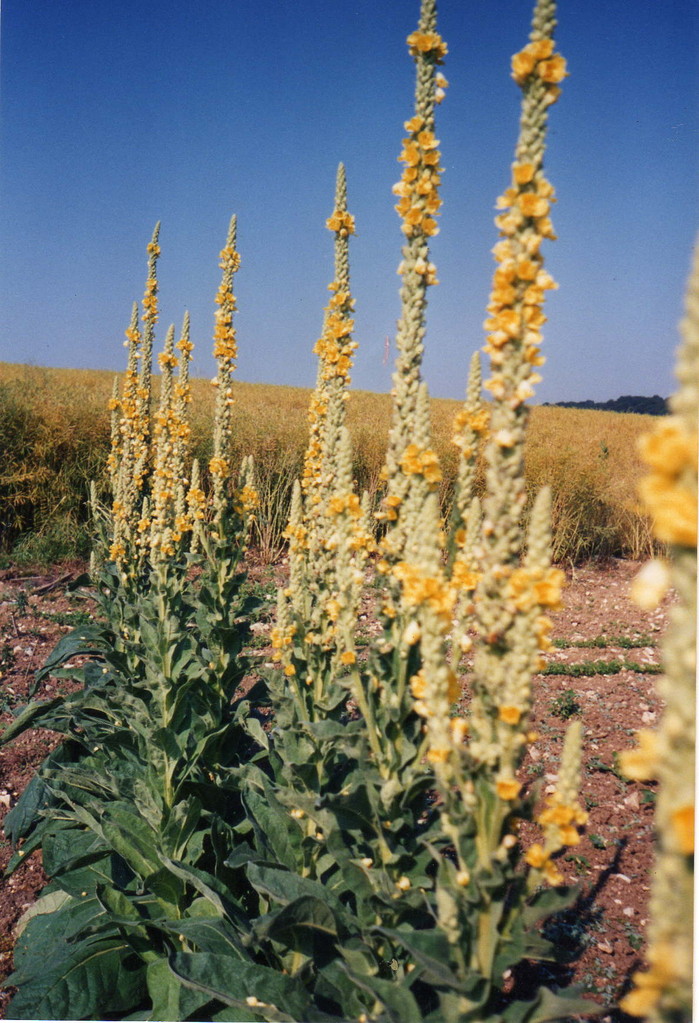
655	406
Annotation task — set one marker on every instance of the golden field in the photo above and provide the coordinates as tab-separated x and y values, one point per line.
54	435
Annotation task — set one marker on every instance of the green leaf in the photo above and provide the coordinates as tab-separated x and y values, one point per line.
548	901
232	982
132	838
37	796
170	998
307	925
209	934
85	640
431	952
57	979
181	825
274	829
217	893
49	903
549	1007
398	1001
36	715
286	887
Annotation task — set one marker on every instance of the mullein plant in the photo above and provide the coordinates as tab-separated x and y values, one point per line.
484	908
330	538
663	992
138	801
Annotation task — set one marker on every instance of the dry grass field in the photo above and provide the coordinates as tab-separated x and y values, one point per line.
54	445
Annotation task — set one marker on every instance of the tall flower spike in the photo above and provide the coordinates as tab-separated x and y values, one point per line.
514	327
127	458
150	318
225	353
196	506
418	206
470	427
663	993
164	482
181	431
335	349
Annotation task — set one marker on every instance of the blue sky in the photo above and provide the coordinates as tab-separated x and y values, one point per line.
115	115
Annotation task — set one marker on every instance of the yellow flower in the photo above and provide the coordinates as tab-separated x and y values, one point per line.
415	123
509	714
507	788
427	42
683	828
650	584
418	685
219	467
536	856
459	729
650	984
522	66
552	71
532	205
348	657
523	173
668	448
438	754
640	764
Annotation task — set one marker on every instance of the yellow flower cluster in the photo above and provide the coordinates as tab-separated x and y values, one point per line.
538	58
150	300
558	820
219	467
418	687
281	639
537	857
422	462
429	44
341	222
420	589
530	587
419	201
335	348
652	984
669	491
249	498
519	282
341	503
467	419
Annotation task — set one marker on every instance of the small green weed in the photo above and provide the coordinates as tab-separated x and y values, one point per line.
72	618
634	939
587	669
602	642
566	705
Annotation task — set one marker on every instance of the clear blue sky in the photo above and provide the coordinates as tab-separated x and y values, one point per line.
115	115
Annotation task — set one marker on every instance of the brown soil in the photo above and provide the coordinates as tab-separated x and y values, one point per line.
613	861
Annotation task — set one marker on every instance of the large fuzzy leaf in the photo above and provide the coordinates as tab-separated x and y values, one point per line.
85	640
550	1007
60	979
233	982
274	829
431	952
170	998
398	1001
285	887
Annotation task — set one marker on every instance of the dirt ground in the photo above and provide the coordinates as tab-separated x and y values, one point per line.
607	651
